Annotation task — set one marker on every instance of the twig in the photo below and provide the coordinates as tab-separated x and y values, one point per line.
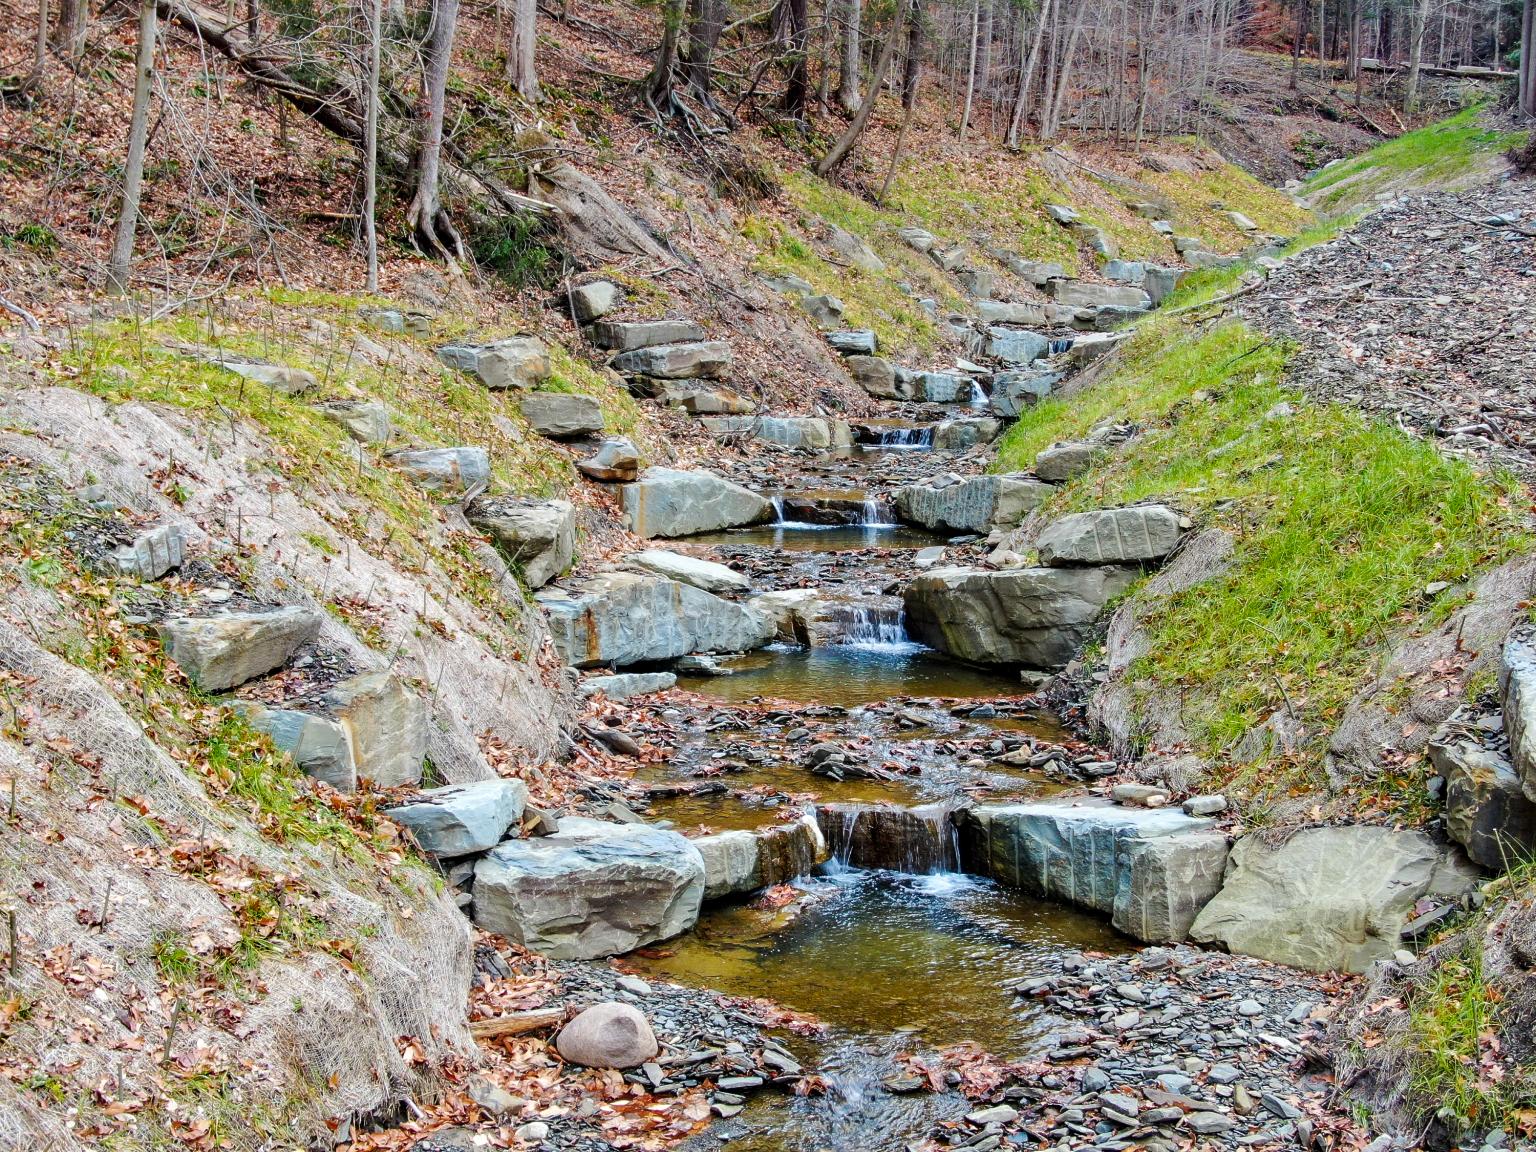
17	310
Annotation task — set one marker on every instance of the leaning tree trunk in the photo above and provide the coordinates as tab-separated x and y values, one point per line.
848	78
371	145
706	20
1026	78
120	266
520	67
844	144
430	223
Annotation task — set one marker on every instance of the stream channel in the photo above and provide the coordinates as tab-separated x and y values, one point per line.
906	957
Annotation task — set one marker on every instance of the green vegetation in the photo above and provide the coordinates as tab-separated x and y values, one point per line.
1436	156
1325	563
1200	198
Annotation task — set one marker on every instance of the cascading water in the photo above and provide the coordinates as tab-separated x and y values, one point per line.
877	628
872	515
920	841
907	436
978	395
777	500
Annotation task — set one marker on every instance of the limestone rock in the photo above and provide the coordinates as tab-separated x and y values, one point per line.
977	282
462	819
1160	282
879	378
1061	462
451	471
825	310
741	861
623	685
562	415
1062	214
517	362
1485	810
386	724
397	321
317	745
966	432
671	502
622	618
278	377
1125	272
591	889
705	574
1037	617
676	361
153	553
219	652
616	461
364	420
918	239
1517	690
1081	294
629	335
704	401
974	505
854	342
1328	898
1016	345
595	300
608	1035
853	250
1110	536
1012	392
938	387
538	535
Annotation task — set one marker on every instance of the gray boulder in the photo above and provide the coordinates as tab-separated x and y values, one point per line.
855	342
595	300
1037	272
397	321
364	420
1328	899
278	377
853	250
1062	214
1517	689
539	535
1101	242
153	553
219	652
814	432
1081	294
975	505
1485	810
878	377
623	685
676	361
462	819
616	461
452	471
622	618
701	401
628	335
1016	345
1110	536
608	1035
1061	462
977	282
562	415
1150	870
966	432
317	745
1012	392
1037	617
671	502
939	387
386	724
1125	272
950	259
517	362
705	574
825	310
742	861
1160	282
918	239
591	889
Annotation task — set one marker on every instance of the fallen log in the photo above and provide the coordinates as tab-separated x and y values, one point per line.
516	1023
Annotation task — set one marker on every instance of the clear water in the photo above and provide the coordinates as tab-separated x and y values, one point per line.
824	537
847	675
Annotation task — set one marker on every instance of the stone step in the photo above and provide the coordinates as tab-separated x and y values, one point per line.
690	361
629	335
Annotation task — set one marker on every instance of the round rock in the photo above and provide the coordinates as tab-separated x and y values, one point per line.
609	1035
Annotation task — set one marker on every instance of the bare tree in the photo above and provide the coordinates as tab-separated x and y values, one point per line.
520	67
796	29
970	73
120	265
844	143
1528	59
34	76
914	54
657	86
69	33
1026	77
706	21
848	78
430	223
1418	11
371	144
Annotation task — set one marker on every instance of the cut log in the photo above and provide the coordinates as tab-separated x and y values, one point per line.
516	1023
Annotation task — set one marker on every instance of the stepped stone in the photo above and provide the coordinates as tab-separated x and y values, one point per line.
977	282
879	378
1517	690
462	819
318	746
396	321
1042	314
1151	870
152	554
675	361
1012	392
976	505
1485	810
803	431
623	685
966	432
742	861
1102	243
364	420
916	840
1201	259
853	250
1110	536
591	889
1037	272
704	401
938	387
629	335
562	415
386	724
950	259
1061	462
450	471
1328	898
705	574
1016	345
278	377
1184	245
623	618
518	362
1062	214
1125	272
854	342
672	502
1159	282
616	461
825	311
595	300
1037	617
539	535
610	1035
1081	294
917	239
219	652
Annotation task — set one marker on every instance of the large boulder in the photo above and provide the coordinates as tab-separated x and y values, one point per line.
595	300
616	461
879	377
219	652
813	432
704	401
742	861
608	1035
562	415
624	618
591	889
1486	812
1110	536
1081	294
462	819
975	505
1012	392
672	502
1016	345
940	387
676	361
386	724
853	342
518	362
318	745
628	335
623	685
1151	870
539	535
965	432
452	471
705	574
1328	899
1517	688
1037	617
1070	458
1033	314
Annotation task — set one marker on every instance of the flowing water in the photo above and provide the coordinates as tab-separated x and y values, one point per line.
849	674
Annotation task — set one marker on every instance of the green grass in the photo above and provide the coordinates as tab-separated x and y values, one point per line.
1326	564
1428	157
1199	198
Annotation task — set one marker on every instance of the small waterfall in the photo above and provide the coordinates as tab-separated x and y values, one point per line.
978	395
906	437
918	841
777	500
872	515
1060	345
876	627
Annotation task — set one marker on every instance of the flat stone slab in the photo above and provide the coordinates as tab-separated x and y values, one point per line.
671	502
452	471
516	362
675	361
1061	462
623	685
741	861
974	505
537	535
562	415
219	652
854	342
1016	345
628	335
705	574
1110	536
461	819
1081	294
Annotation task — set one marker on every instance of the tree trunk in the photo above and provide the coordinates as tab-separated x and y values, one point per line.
1026	78
1528	59
901	140
848	79
34	75
658	85
371	145
430	224
521	73
912	70
970	79
706	20
1064	79
1303	18
1416	20
984	48
120	266
797	89
69	32
844	144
